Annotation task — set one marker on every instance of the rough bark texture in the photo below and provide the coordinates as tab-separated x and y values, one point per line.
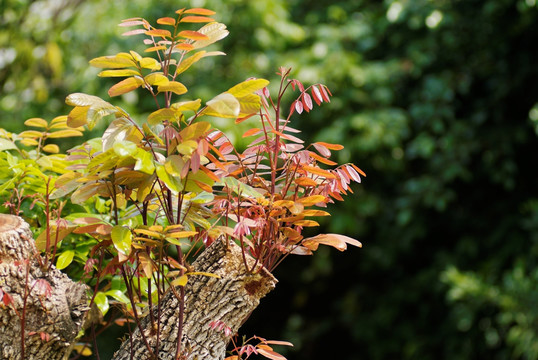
56	316
230	299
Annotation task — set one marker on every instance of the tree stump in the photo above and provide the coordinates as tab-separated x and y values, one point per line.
229	299
41	309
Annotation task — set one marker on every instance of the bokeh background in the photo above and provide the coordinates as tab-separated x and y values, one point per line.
437	101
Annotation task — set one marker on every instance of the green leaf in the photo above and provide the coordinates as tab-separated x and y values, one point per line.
65	259
101	301
174	165
125	86
248	87
118	295
224	105
125	148
144	161
239	187
122	238
173	183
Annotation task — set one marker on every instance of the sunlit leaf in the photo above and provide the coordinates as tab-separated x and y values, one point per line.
193	35
270	354
101	301
150	63
6	144
196	19
180	281
224	105
125	86
166	21
186	63
305	181
330	146
121	237
32	134
315	213
64	134
335	240
155	48
118	295
248	87
215	32
78	116
118	73
113	62
318	171
182	234
156	79
174	86
36	122
312	200
65	259
159	32
192	105
51	148
199	11
306	223
161	115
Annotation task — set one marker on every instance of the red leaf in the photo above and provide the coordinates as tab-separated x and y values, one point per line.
251	132
324	90
316	95
307	101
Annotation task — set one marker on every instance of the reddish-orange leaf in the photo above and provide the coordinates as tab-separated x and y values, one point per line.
318	171
358	170
193	35
166	21
204	186
312	200
209	173
270	353
305	181
316	95
125	86
330	146
158	32
200	11
335	240
325	93
321	159
251	132
196	19
155	48
306	223
183	46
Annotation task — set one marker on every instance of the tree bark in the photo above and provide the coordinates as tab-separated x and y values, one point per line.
42	308
229	299
52	315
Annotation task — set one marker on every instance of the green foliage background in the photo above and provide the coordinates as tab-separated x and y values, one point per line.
436	100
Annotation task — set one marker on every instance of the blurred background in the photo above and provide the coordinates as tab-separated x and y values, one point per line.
437	101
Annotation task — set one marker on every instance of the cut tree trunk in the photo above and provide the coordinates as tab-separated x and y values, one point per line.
48	305
51	308
228	300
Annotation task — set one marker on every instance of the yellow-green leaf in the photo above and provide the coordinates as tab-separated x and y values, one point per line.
215	31
65	259
160	115
122	237
248	87
159	32
150	63
51	148
118	73
174	86
125	86
156	79
6	144
224	105
113	62
180	281
192	105
32	134
186	63
64	134
36	122
182	234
